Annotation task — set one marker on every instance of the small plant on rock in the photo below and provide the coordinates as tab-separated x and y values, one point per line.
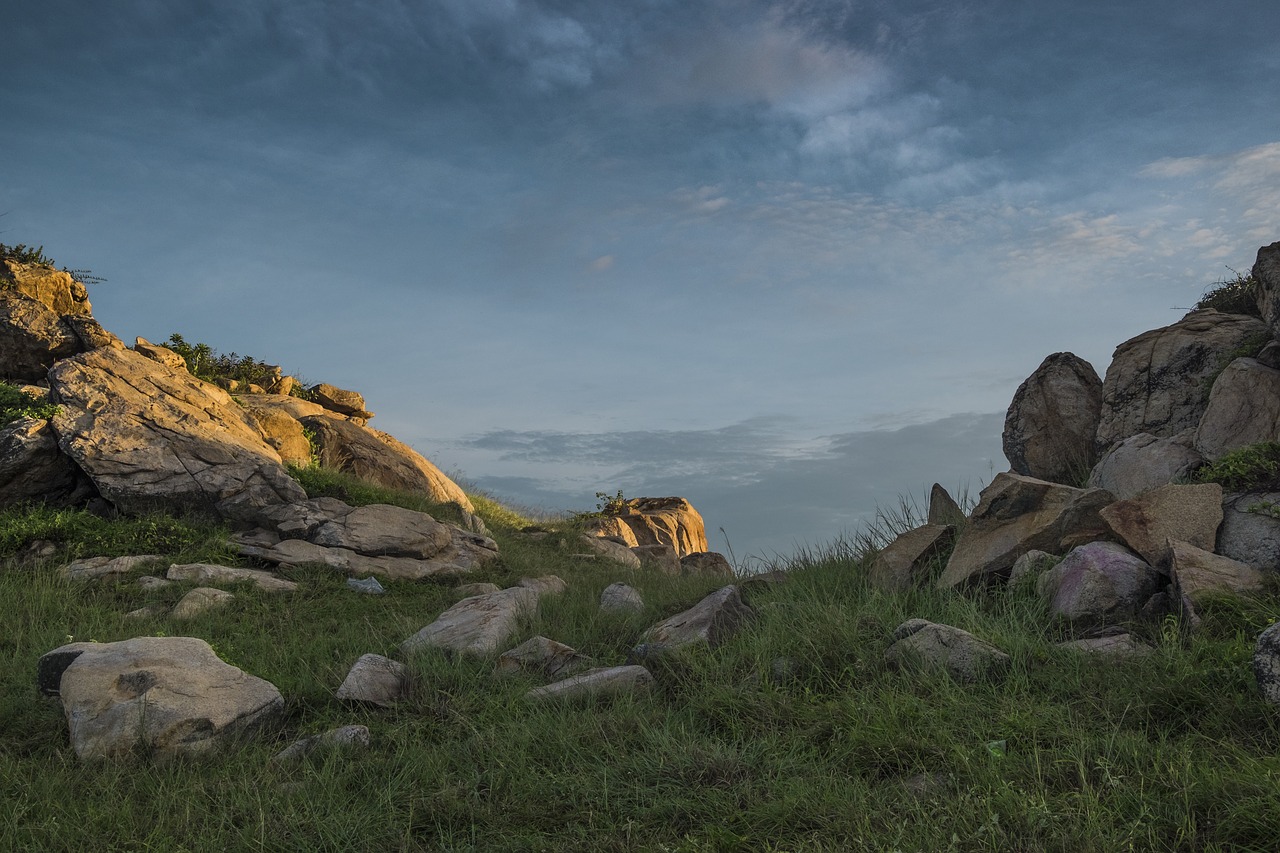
1252	467
1237	295
16	404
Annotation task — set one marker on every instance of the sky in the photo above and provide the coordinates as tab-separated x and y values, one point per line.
789	260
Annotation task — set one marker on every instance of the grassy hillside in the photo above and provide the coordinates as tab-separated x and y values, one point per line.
794	735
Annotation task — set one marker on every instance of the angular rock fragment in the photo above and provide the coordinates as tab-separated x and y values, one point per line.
620	598
477	626
711	621
1147	522
375	680
954	650
542	656
608	681
903	562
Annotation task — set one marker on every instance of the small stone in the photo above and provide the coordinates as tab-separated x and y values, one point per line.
620	598
199	600
346	737
369	586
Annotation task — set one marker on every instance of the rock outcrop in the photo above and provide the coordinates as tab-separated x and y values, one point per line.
1144	461
655	521
33	468
44	316
1051	424
1266	272
1243	409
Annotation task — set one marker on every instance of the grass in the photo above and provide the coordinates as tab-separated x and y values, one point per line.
1236	295
1256	466
793	735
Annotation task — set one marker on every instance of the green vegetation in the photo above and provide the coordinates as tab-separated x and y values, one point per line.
206	363
794	735
1254	467
1238	295
25	254
16	403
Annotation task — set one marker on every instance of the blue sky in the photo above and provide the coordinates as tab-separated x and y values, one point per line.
789	260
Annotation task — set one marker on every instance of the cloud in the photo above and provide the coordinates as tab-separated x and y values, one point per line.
602	263
1248	178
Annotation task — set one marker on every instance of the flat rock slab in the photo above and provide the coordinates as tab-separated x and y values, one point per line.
1199	573
542	656
200	600
166	696
711	621
611	549
1116	646
376	680
606	681
208	573
477	626
1147	522
962	655
91	568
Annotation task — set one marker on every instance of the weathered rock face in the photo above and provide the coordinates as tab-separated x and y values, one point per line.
711	621
1243	409
1051	424
1250	529
959	653
605	681
1266	663
1146	523
477	626
1198	573
147	435
339	400
162	354
1155	383
658	558
1017	514
1266	272
283	433
55	289
44	316
1100	583
167	695
375	680
32	468
544	657
1143	462
904	561
656	521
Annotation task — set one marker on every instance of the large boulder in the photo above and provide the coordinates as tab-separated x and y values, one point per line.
1198	573
165	696
655	521
1146	523
1244	409
1144	461
148	435
963	656
340	400
1017	514
33	468
1250	529
1051	424
1157	381
55	289
44	316
710	622
1266	272
1099	583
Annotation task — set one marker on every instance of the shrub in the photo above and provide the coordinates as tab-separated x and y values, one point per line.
1255	466
16	403
1237	295
25	254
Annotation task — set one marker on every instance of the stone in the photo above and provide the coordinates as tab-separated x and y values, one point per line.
53	288
706	563
467	590
1266	663
340	400
1032	562
44	316
33	468
384	530
542	656
375	680
1191	513
655	521
201	600
1113	646
611	549
478	626
1156	382
1266	272
150	436
1050	426
150	583
1243	409
632	680
52	664
91	568
711	621
545	585
167	696
368	586
162	354
620	598
343	738
439	486
1099	583
1017	514
283	404
208	573
943	508
953	650
283	432
904	562
1198	573
1143	462
1250	531
659	558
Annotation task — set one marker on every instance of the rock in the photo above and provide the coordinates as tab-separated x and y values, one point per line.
200	600
1050	427
375	680
611	549
149	436
209	573
346	737
368	586
658	558
959	653
1156	381
440	488
707	563
655	521
1266	272
1198	573
149	583
1144	461
943	508
469	589
1146	523
544	657
1114	645
32	338
91	568
607	681
1266	663
1100	583
545	585
33	468
162	354
52	664
1250	529
904	561
168	696
54	289
477	626
1243	409
339	400
1018	514
1031	562
620	598
283	432
384	530
283	404
711	621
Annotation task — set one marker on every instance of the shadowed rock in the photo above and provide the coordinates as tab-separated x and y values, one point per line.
476	626
1100	583
1051	424
963	656
711	621
904	561
1143	462
606	681
1243	409
1146	523
1198	573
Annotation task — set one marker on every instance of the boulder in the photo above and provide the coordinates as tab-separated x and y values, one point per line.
707	563
611	549
91	568
282	404
167	696
201	600
1156	381
1050	427
1266	272
53	288
904	561
1144	461
149	435
659	558
375	680
342	738
620	598
32	338
544	586
606	681
283	432
655	521
1113	645
339	400
1250	530
1099	583
209	573
476	626
33	468
1266	663
162	354
963	656
1146	523
943	508
1017	514
1198	573
711	621
1243	409
543	657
